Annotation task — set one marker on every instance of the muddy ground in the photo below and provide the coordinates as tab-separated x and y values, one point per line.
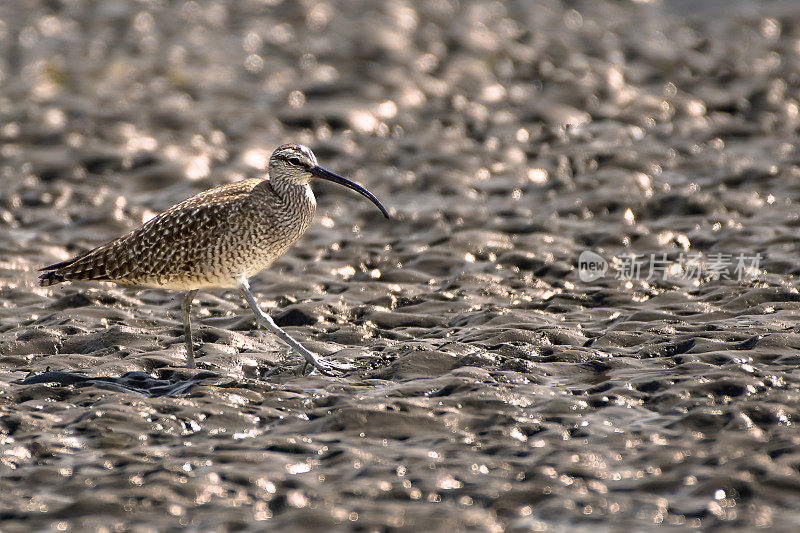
495	385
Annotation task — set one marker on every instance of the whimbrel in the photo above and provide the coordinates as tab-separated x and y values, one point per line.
216	239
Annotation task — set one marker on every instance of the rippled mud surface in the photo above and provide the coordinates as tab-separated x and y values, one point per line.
494	387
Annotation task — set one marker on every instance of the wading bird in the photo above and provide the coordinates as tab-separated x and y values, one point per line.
217	239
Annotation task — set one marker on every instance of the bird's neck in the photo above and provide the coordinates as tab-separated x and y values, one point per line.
295	195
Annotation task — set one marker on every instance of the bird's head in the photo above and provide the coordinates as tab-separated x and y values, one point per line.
295	163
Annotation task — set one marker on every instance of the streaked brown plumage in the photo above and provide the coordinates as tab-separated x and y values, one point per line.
216	239
210	240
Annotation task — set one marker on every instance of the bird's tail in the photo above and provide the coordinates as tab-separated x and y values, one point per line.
83	267
51	278
56	273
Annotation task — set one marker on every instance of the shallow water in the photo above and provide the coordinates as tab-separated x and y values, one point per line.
495	387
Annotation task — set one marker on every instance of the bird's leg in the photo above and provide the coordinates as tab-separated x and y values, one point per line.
186	309
325	367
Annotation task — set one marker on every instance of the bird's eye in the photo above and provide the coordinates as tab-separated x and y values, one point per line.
295	161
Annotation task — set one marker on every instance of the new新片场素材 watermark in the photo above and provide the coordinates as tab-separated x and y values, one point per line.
692	266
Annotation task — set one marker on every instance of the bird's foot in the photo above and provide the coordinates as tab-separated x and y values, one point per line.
325	367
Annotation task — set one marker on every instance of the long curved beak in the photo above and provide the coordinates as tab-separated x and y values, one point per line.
335	178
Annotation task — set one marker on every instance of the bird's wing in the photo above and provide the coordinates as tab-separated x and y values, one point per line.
159	244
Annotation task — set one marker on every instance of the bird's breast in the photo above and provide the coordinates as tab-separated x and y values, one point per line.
275	227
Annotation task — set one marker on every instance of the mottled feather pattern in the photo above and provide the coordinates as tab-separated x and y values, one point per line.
217	239
212	239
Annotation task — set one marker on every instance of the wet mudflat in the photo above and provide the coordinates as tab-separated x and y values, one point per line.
494	387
